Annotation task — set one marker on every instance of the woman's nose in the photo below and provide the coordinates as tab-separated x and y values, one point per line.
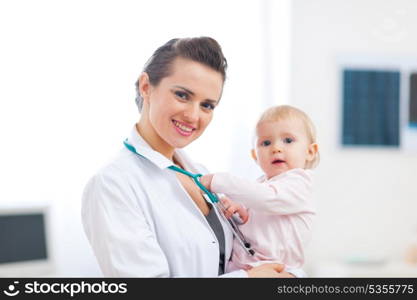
191	114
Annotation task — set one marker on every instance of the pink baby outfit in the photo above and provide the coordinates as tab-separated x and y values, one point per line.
280	216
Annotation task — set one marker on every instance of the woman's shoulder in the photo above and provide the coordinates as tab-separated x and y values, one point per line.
110	169
119	166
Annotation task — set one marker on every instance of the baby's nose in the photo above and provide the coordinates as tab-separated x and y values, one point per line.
276	149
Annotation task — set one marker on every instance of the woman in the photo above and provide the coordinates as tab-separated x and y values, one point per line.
143	219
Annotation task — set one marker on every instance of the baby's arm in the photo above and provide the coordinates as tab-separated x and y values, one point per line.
230	207
289	194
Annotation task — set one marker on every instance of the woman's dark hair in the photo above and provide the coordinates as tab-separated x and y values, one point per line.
204	50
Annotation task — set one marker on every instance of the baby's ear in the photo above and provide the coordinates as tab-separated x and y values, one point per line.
253	154
312	151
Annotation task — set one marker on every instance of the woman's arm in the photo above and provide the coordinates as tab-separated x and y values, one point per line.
117	230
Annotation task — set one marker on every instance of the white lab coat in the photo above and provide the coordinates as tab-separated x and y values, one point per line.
142	223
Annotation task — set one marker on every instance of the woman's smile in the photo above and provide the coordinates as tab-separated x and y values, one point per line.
183	128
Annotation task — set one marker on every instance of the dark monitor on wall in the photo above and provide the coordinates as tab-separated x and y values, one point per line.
25	248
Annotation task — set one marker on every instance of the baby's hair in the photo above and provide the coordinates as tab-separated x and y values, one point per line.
282	112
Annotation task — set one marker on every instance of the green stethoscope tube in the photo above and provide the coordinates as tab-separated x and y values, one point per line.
213	198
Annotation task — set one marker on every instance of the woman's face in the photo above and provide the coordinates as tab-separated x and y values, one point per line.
181	105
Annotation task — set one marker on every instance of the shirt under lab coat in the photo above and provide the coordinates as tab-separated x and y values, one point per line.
141	222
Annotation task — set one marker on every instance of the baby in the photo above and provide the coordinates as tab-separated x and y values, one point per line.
280	211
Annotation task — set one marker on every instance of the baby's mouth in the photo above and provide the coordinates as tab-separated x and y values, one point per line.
278	161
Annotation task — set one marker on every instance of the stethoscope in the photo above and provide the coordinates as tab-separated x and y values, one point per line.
231	223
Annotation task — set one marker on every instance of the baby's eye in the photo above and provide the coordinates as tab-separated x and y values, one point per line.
208	105
266	143
288	140
181	95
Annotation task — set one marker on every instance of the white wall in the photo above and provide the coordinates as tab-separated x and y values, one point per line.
366	198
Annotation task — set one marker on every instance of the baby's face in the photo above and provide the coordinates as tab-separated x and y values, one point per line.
282	145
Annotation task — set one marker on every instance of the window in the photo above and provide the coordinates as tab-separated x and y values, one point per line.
371	106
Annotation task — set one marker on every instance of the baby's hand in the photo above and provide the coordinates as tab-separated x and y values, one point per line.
232	207
206	180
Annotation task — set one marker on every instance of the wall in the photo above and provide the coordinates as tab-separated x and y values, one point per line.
366	198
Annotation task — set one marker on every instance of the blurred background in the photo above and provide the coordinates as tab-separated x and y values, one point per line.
67	74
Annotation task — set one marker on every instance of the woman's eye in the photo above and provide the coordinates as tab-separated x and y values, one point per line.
208	105
181	95
266	143
288	140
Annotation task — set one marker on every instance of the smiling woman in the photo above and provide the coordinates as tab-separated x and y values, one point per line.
179	108
141	218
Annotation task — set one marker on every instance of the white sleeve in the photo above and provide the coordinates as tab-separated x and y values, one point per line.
290	194
118	231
